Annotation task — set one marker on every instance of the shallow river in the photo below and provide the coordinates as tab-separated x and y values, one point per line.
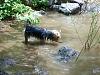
16	58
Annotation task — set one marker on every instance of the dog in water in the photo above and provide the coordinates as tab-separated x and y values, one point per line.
40	33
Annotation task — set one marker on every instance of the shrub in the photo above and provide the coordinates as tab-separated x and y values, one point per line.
14	8
32	16
41	4
6	8
20	8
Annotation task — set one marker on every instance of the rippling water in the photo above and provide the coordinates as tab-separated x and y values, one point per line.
68	26
37	58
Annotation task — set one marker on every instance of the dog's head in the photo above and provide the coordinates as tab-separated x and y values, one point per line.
56	35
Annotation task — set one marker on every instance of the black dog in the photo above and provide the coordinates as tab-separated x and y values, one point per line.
40	33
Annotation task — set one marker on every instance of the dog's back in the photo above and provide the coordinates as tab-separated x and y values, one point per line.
34	31
40	33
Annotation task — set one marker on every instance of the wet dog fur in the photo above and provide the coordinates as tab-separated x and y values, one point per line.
40	33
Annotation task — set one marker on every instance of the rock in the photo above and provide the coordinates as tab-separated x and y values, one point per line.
6	62
42	12
40	70
80	2
92	7
52	2
3	72
57	2
22	73
96	70
69	8
66	54
9	62
76	1
55	6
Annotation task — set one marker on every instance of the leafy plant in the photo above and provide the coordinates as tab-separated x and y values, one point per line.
20	8
40	3
14	8
6	8
31	16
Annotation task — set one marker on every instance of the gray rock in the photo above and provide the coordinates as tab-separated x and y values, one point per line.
76	1
40	70
69	8
96	70
2	72
52	2
92	7
6	62
66	54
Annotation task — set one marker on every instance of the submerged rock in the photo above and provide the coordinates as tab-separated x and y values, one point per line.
6	62
23	73
40	70
96	70
66	54
3	72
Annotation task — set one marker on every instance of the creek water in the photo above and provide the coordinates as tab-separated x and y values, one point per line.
16	58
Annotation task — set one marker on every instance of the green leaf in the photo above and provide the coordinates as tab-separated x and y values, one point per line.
6	0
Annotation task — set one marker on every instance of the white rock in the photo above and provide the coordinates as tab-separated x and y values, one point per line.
68	7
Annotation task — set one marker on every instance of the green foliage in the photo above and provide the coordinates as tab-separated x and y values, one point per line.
32	16
6	8
40	3
20	8
14	8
